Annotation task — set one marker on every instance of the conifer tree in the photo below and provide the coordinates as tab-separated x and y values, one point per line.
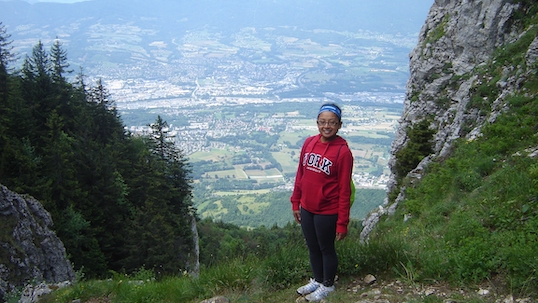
37	92
118	202
101	169
19	157
162	236
163	147
58	185
59	62
5	58
5	108
107	120
37	66
177	171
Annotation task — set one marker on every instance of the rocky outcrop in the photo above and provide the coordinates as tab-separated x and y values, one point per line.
457	38
29	250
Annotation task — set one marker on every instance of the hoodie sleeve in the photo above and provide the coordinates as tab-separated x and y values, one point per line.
345	169
297	193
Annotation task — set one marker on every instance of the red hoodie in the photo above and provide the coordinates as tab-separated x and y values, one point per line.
322	183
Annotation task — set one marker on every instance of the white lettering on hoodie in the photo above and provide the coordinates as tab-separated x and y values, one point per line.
316	162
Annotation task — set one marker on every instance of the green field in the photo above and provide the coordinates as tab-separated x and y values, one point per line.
244	163
242	193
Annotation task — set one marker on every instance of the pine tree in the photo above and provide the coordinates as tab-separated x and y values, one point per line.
37	93
108	122
5	107
37	67
58	184
118	202
6	57
162	237
176	169
100	166
59	62
163	147
18	156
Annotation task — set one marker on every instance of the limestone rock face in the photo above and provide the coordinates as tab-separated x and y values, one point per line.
457	38
29	250
470	31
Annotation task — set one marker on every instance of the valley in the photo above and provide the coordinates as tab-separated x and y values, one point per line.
239	99
244	156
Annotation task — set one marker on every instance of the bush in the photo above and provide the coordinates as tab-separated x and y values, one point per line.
418	146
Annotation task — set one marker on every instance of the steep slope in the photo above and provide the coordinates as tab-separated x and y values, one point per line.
453	89
462	205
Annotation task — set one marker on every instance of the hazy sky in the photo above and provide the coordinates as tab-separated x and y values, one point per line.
58	1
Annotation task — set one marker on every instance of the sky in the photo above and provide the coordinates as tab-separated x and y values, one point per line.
57	1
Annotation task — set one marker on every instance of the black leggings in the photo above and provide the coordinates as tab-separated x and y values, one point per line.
320	234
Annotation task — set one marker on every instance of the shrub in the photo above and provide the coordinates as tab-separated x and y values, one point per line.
418	146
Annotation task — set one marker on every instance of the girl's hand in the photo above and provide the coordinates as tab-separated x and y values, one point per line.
297	216
340	236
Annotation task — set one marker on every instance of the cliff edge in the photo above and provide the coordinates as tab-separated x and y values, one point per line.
447	90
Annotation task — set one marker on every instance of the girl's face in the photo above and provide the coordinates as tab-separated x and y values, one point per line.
328	125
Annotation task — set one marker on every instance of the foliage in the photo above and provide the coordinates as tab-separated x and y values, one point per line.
280	262
270	277
251	210
219	241
418	146
514	53
286	266
438	32
380	255
473	216
118	202
484	95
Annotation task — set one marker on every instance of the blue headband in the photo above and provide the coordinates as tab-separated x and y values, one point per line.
331	108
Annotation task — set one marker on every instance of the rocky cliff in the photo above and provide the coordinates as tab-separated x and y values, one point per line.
29	250
448	87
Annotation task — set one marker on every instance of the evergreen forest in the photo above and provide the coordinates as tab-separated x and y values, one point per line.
119	202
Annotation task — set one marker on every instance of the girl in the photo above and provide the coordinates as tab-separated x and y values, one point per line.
321	199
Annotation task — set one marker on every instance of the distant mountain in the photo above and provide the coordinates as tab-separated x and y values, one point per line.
363	45
375	15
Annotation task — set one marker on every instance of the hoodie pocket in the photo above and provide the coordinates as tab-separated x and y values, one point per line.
313	198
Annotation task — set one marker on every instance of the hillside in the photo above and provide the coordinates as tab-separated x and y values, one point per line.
463	207
464	162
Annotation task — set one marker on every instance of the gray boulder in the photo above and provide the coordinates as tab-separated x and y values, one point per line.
30	252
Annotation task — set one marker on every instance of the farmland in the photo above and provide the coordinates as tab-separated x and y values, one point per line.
244	156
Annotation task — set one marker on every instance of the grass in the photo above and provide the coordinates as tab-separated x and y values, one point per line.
275	278
473	222
473	216
470	224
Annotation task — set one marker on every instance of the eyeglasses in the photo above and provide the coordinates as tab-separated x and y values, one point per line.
329	123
